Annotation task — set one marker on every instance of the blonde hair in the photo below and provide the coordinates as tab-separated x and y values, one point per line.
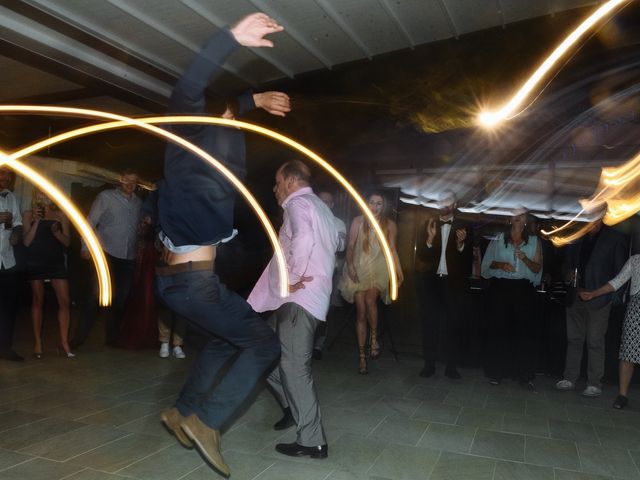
383	221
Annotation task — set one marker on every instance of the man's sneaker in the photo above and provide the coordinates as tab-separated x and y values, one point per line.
178	352
591	391
164	350
565	384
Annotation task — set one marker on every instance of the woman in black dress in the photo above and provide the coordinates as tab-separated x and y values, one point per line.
46	236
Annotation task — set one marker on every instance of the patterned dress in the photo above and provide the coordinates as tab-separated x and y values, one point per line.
630	343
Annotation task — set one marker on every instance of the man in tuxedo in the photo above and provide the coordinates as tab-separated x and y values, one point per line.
444	248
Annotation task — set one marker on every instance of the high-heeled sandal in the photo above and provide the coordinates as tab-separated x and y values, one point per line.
373	343
362	367
37	355
65	353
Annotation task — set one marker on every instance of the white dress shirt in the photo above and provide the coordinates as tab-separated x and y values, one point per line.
8	203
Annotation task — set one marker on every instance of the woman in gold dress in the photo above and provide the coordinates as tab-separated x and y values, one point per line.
365	276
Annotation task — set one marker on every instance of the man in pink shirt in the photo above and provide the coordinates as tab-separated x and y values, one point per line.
309	239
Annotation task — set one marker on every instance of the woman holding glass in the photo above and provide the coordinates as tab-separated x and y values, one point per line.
513	262
46	236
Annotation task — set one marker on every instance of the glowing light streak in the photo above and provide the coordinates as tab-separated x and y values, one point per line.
146	124
127	121
510	109
559	241
78	220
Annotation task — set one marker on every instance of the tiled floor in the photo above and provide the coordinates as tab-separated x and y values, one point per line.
96	418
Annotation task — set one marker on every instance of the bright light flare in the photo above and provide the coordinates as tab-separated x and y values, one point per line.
515	105
78	220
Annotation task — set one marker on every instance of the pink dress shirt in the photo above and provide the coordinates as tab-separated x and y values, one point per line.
309	240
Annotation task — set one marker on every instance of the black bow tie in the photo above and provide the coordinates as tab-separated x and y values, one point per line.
445	222
4	194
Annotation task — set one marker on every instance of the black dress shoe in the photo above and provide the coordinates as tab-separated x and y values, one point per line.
428	371
286	421
295	450
11	355
452	373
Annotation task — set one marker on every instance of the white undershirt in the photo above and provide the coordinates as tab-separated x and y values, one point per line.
445	230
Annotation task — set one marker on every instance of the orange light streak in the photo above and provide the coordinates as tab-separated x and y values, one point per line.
78	220
145	123
515	106
127	121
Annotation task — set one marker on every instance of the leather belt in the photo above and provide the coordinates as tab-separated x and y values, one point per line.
164	270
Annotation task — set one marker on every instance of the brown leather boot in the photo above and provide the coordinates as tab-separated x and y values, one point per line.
172	420
208	442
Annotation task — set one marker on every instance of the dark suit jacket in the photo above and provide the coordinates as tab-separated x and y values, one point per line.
458	263
609	254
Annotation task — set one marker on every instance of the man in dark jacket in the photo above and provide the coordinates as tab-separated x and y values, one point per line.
195	212
590	263
444	248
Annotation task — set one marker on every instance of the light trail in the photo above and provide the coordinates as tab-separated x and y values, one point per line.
148	121
515	106
127	121
75	216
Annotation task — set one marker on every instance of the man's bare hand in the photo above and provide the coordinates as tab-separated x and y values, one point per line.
6	217
431	231
250	31
276	103
299	284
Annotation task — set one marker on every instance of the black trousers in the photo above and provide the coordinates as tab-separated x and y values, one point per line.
512	330
441	307
121	271
9	279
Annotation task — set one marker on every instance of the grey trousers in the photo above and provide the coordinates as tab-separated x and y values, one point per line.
583	324
291	380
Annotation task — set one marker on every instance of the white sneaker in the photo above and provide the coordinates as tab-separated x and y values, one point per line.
592	391
178	352
565	384
164	350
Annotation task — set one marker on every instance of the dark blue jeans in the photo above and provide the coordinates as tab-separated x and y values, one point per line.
234	330
121	271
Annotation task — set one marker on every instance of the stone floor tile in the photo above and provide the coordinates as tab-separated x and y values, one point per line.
448	438
455	466
503	446
400	430
552	453
400	462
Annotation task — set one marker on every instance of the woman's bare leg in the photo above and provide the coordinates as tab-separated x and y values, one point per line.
371	302
626	372
37	301
61	287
